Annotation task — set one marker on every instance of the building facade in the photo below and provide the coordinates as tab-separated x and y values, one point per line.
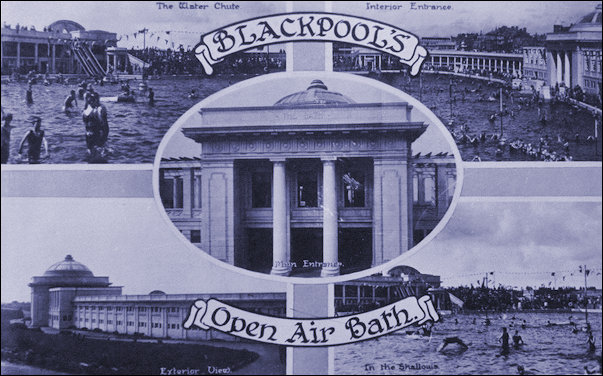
434	181
314	184
62	47
534	64
380	290
468	61
574	54
69	296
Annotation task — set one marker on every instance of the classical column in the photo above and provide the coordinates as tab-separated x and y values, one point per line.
188	179
490	65
559	68
330	219
280	264
18	54
507	66
54	58
36	60
567	75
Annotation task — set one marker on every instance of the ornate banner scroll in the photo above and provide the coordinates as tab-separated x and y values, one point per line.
311	332
315	26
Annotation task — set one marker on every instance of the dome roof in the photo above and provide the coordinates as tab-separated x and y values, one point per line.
68	268
316	93
590	22
66	26
396	271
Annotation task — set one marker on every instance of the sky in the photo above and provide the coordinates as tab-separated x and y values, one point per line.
186	25
523	243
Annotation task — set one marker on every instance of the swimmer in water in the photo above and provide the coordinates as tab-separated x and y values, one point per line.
6	128
97	126
504	339
591	342
35	139
151	96
449	340
29	95
69	101
517	340
89	93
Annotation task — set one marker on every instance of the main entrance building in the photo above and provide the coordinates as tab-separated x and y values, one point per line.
315	180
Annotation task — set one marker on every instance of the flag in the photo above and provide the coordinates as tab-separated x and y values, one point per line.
456	301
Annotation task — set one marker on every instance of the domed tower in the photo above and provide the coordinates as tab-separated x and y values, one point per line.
66	273
316	94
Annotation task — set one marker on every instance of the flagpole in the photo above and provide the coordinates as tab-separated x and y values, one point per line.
501	113
585	296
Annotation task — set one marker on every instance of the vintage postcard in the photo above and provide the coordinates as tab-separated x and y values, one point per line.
375	188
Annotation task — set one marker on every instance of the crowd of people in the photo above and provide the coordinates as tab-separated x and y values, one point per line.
184	62
506	299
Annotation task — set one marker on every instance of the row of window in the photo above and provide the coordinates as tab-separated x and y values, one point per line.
171	190
307	191
130	309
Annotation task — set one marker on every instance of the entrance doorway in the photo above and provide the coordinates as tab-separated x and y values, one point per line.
306	250
355	249
259	250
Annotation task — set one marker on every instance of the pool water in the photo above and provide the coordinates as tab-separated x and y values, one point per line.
547	350
136	129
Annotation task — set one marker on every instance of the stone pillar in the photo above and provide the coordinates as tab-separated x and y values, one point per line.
441	190
507	66
54	58
18	54
567	74
280	263
496	64
392	209
188	179
577	70
217	218
559	68
36	60
550	64
490	65
330	249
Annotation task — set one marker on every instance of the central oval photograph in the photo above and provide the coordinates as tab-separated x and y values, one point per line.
308	175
